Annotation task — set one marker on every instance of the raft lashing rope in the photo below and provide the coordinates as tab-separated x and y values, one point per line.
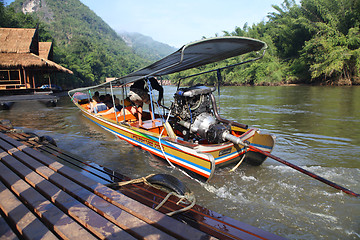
188	196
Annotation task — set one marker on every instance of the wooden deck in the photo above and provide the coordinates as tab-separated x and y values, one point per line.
41	198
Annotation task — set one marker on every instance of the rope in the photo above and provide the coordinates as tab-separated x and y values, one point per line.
163	152
160	144
237	165
137	180
187	196
14	130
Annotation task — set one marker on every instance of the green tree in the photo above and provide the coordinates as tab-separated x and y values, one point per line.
319	39
333	52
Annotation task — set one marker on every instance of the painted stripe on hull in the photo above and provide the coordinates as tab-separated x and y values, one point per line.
174	159
155	139
205	172
233	155
262	147
229	157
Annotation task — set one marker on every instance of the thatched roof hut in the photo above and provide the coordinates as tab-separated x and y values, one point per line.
23	58
29	60
19	40
46	50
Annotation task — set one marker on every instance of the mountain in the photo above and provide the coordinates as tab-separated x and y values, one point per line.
146	47
84	43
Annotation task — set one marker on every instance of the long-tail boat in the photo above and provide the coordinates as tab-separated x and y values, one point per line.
189	134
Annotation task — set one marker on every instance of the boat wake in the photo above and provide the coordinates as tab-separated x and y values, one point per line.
275	193
225	193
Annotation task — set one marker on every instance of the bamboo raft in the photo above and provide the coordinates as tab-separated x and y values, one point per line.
41	198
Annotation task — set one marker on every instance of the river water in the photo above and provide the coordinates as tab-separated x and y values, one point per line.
317	128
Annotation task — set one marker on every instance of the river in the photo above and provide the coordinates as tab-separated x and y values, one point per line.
317	128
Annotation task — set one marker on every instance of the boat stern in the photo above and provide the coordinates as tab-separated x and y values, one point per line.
264	142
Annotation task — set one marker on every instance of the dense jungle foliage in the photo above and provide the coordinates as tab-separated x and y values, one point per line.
314	42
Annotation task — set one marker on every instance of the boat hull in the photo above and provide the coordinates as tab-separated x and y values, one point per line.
197	159
202	164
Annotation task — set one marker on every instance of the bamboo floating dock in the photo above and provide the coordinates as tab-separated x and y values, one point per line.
41	198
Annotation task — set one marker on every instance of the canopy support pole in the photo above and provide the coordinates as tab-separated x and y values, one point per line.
112	96
151	100
219	79
123	97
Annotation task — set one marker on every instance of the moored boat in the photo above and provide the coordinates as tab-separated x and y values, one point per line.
190	133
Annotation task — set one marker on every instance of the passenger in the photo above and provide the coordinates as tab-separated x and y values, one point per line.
96	105
139	95
130	107
108	97
102	98
97	94
107	100
117	108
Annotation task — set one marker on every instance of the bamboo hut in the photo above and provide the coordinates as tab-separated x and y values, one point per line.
24	61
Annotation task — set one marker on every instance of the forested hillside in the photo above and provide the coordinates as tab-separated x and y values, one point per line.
83	42
317	42
146	47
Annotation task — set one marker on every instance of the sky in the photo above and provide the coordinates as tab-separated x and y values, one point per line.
181	21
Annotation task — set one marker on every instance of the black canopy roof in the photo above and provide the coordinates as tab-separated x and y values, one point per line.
193	55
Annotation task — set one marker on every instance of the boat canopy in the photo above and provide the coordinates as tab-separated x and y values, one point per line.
193	55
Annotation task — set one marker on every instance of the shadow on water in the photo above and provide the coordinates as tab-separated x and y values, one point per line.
316	128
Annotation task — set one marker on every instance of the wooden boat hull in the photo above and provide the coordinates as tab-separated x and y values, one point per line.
198	159
194	137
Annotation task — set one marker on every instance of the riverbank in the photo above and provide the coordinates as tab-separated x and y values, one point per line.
340	83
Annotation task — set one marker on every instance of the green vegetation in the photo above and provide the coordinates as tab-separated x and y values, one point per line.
316	42
86	44
83	42
11	19
146	47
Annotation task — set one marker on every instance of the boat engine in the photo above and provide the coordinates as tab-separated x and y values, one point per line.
196	114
